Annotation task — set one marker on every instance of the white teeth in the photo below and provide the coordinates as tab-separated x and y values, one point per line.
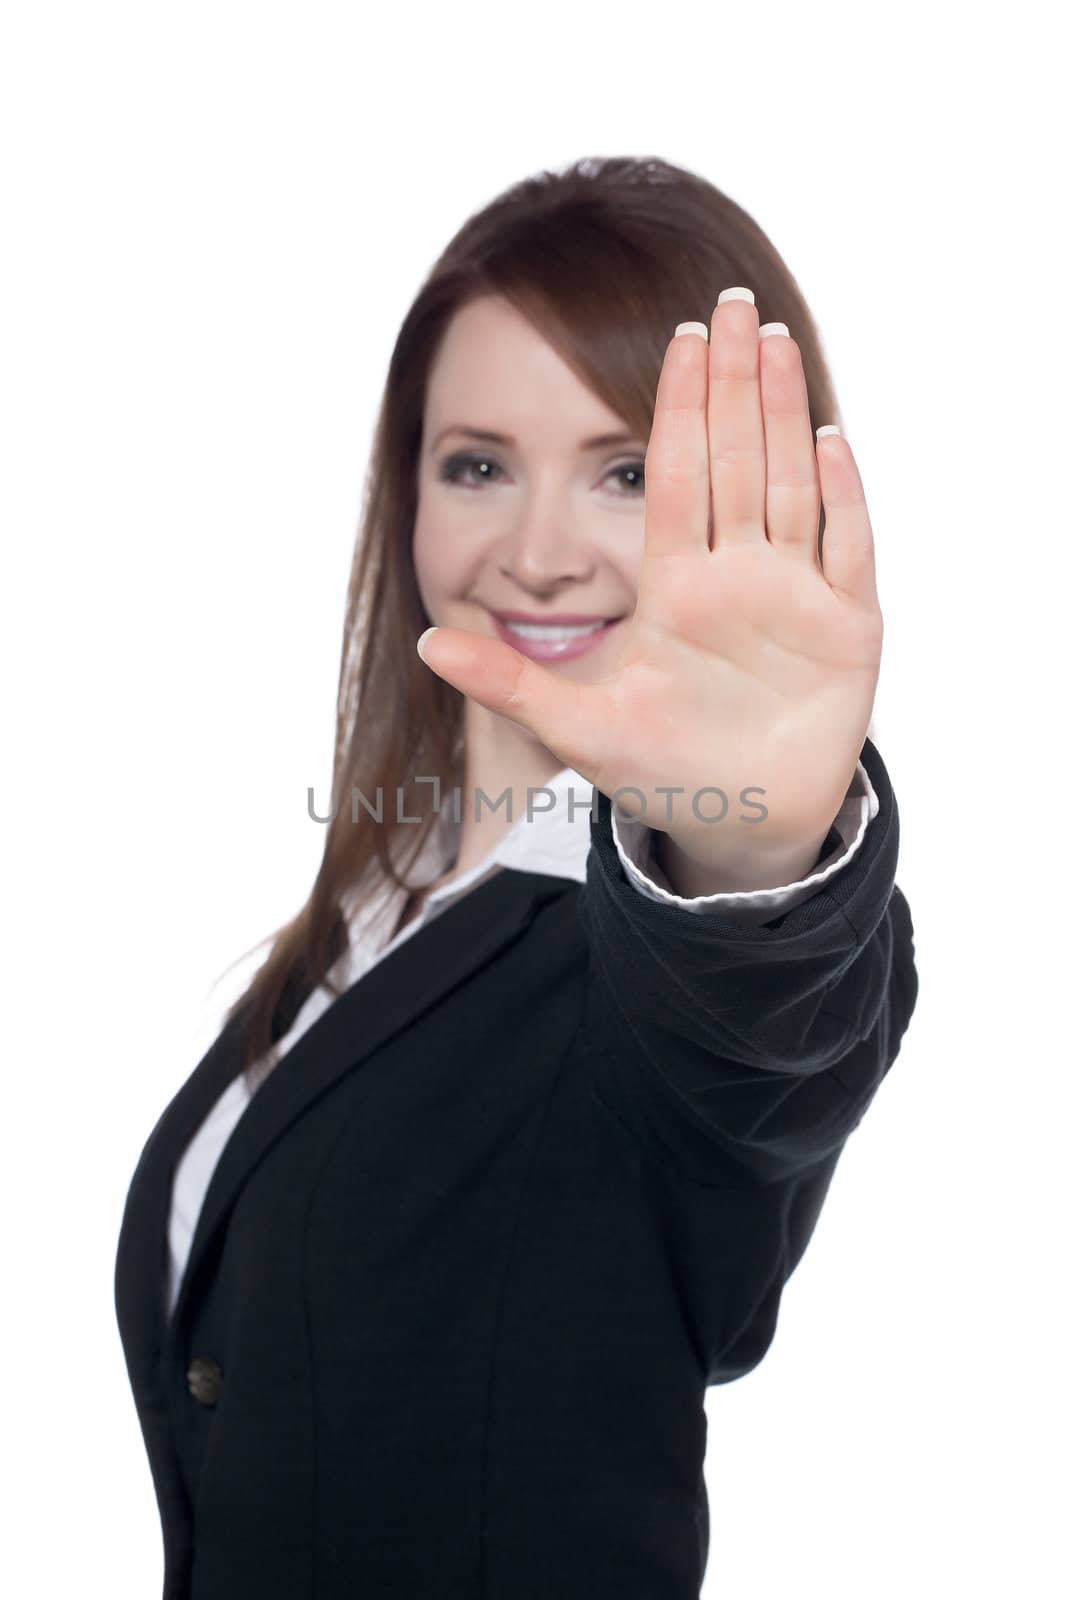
541	630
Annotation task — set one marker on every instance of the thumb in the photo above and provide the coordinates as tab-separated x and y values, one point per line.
559	713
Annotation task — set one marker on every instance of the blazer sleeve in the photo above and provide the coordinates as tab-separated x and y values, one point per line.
748	1054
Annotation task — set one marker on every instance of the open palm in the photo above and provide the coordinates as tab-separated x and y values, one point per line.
747	664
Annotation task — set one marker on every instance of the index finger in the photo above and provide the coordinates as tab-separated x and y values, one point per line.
677	481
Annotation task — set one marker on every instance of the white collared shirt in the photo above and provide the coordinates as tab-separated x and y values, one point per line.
550	836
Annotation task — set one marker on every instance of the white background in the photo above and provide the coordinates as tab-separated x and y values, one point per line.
216	217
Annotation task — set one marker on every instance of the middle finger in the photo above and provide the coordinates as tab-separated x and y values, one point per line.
737	455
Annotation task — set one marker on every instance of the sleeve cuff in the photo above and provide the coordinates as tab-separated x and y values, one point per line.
748	907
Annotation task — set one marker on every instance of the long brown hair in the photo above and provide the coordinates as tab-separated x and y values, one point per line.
603	258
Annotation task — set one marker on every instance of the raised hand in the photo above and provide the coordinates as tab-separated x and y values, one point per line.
747	665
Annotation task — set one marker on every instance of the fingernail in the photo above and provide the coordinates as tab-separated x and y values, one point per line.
692	327
826	428
773	327
737	294
422	640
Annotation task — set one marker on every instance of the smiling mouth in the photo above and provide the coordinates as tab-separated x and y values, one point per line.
549	630
553	641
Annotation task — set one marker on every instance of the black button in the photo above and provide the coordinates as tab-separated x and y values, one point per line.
205	1380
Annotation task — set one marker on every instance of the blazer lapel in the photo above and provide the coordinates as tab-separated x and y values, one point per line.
393	994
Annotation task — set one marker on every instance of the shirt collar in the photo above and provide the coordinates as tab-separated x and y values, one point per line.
549	833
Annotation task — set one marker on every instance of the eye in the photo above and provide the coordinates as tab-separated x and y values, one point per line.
635	467
454	468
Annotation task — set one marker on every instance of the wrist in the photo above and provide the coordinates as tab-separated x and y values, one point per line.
694	868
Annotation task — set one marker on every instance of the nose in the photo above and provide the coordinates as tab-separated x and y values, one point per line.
541	551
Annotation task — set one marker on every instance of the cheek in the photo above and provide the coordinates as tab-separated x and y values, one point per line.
447	560
629	567
430	555
623	556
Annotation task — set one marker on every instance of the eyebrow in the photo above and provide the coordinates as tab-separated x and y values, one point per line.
599	442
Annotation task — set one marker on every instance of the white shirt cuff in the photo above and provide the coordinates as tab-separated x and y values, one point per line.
747	907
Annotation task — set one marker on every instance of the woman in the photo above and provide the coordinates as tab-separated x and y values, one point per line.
510	1147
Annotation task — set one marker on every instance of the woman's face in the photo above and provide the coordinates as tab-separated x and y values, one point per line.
544	524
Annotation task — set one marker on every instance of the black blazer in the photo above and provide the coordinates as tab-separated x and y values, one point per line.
482	1240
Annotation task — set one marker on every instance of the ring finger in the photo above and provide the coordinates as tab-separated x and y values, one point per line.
793	491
